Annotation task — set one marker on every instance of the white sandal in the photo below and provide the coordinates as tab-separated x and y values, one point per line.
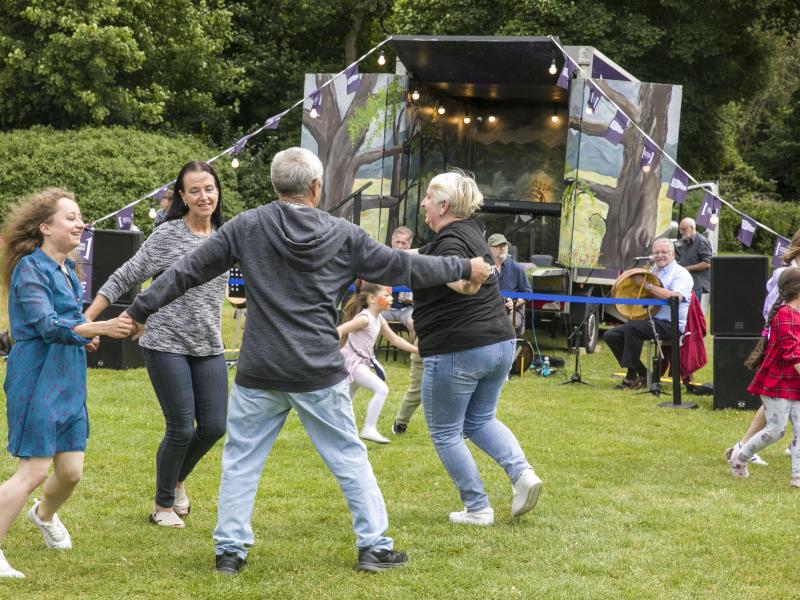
181	505
166	518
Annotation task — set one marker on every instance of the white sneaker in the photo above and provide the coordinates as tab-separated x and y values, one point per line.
6	570
755	459
484	516
372	435
55	534
526	492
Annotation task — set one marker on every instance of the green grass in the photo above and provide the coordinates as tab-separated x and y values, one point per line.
637	503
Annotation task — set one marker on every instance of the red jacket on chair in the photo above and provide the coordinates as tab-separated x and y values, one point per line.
693	347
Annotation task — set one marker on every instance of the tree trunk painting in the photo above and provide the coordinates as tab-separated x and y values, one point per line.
345	133
630	224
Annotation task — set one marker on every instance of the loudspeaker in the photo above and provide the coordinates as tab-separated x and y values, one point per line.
112	249
738	290
113	353
731	377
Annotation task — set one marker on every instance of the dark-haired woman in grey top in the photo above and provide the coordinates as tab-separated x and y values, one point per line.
182	344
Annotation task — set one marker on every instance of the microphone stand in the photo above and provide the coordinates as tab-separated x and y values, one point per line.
573	340
655	384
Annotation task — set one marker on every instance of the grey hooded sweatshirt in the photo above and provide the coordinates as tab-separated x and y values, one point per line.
297	264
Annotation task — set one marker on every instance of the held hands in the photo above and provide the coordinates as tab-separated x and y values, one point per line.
137	329
121	327
94	345
481	270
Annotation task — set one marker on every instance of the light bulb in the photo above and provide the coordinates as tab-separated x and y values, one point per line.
441	110
313	113
713	219
152	214
492	118
235	163
553	69
554	118
467	120
589	109
382	59
645	168
415	95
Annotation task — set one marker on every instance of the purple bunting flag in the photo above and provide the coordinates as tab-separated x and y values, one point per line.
603	70
237	147
781	246
678	186
316	102
566	73
593	101
746	231
648	156
84	255
616	128
710	207
160	192
85	251
353	78
273	122
125	218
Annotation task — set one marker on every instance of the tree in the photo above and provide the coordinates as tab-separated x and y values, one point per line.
147	63
341	134
630	221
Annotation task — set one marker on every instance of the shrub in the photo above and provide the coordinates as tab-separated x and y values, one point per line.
106	168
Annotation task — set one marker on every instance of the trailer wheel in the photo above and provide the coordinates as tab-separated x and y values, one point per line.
591	328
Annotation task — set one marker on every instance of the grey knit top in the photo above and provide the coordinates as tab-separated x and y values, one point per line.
192	323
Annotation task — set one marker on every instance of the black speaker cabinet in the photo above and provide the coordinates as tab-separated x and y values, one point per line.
738	289
731	377
115	354
112	249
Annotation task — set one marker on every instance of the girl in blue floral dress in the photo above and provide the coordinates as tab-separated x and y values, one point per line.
45	384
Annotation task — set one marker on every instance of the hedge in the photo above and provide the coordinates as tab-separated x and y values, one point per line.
105	167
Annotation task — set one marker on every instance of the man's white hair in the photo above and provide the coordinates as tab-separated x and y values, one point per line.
664	241
293	170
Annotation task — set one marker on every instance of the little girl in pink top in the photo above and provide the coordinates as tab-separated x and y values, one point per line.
358	334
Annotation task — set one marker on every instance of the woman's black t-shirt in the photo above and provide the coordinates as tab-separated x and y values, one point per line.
446	321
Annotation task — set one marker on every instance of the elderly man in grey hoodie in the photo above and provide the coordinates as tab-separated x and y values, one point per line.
298	262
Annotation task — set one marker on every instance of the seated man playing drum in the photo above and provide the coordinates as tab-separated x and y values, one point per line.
626	340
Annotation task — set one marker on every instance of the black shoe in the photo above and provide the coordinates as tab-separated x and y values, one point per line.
377	559
399	428
229	563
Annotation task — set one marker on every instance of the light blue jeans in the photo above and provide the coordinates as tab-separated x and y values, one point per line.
255	417
459	395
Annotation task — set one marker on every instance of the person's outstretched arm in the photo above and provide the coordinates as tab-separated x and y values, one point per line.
218	254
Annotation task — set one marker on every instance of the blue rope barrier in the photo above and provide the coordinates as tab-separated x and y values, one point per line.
531	296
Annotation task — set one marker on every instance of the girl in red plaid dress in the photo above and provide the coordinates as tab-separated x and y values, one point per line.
777	381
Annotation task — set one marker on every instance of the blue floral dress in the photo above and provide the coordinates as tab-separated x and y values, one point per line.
45	381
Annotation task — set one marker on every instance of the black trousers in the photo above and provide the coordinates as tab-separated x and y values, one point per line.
626	341
190	389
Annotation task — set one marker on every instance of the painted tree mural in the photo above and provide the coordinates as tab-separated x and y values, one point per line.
630	222
357	130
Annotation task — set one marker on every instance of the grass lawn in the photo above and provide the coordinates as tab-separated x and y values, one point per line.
637	503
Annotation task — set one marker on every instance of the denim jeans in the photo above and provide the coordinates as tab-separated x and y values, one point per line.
459	395
255	417
189	388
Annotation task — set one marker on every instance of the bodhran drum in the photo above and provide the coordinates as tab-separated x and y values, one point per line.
626	286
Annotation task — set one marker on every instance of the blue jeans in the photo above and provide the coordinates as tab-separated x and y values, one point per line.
255	417
188	388
459	395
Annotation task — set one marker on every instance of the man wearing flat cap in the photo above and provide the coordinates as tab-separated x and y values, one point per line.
512	278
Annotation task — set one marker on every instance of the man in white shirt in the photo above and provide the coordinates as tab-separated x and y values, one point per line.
626	340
